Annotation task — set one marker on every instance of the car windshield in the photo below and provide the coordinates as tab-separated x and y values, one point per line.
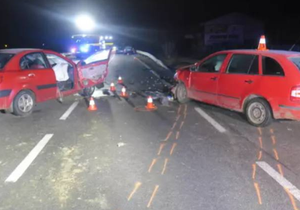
4	58
296	61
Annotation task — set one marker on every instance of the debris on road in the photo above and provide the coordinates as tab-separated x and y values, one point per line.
121	144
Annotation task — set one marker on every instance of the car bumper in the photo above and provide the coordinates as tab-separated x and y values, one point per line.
287	112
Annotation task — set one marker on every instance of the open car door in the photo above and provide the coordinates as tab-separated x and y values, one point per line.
93	70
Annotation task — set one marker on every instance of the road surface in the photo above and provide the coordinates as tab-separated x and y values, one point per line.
183	156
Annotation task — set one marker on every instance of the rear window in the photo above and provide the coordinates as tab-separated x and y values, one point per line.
271	67
296	61
4	58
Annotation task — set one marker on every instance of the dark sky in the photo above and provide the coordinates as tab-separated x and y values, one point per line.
29	23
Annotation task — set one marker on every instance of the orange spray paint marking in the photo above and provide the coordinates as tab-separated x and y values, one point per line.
181	125
165	165
177	118
151	165
260	142
160	148
136	187
254	171
273	140
177	135
259	131
174	125
259	155
173	147
258	193
291	198
271	131
276	154
168	136
280	169
179	109
152	196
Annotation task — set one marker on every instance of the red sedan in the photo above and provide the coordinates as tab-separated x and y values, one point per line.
30	76
263	84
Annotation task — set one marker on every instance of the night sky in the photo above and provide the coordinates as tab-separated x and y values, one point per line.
29	23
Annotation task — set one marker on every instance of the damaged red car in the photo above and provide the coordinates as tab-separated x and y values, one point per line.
30	76
262	84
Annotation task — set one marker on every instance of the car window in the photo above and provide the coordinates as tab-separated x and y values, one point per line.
296	61
271	67
213	64
4	58
33	61
99	56
243	64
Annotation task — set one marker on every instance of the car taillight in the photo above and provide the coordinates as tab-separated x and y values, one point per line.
295	93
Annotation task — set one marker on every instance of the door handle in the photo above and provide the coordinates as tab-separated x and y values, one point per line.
214	78
249	81
31	75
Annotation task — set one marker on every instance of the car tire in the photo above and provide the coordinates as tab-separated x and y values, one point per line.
23	103
258	112
99	86
87	92
181	93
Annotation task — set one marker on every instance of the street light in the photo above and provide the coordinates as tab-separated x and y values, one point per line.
85	23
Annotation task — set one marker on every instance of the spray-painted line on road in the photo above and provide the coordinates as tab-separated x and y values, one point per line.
214	123
22	167
69	111
292	189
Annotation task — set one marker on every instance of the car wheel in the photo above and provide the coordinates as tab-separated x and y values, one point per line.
87	92
258	112
181	93
23	103
99	86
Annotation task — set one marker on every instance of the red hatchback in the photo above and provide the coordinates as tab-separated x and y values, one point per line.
261	84
30	76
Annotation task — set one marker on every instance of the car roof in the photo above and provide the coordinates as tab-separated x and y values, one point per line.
265	52
17	50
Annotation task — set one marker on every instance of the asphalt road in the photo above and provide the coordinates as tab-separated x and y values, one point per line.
122	157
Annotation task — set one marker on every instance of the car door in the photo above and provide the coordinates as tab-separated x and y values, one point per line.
37	75
240	79
204	81
65	73
93	70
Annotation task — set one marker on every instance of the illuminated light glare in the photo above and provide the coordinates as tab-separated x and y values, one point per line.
85	48
85	23
101	37
73	50
106	37
110	37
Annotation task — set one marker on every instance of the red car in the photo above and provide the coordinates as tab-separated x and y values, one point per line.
262	84
30	76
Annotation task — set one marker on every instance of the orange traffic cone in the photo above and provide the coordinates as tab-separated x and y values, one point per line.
150	104
123	92
120	81
92	105
262	43
112	87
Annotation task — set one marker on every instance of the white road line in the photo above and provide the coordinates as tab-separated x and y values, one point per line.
22	167
68	112
214	123
148	67
280	179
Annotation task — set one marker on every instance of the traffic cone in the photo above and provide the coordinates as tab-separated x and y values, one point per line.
112	87
120	81
262	43
92	105
123	92
150	104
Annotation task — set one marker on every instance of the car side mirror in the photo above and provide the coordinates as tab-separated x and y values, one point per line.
193	68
